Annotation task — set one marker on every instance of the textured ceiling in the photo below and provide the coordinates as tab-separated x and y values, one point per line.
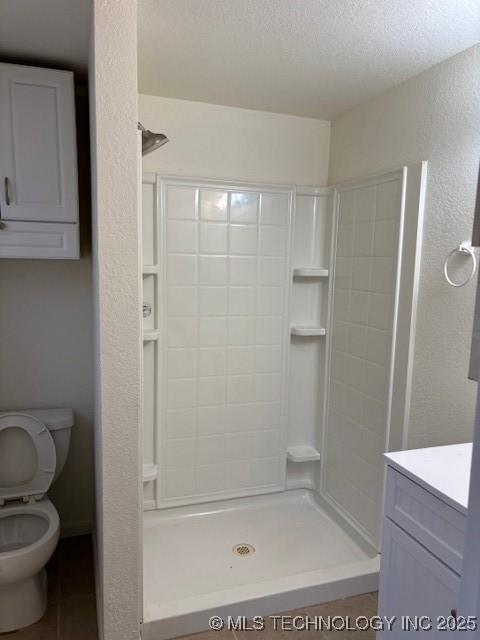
313	58
46	32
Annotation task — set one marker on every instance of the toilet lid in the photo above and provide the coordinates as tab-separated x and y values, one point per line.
27	457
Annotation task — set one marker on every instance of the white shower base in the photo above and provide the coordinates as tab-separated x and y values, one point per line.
302	557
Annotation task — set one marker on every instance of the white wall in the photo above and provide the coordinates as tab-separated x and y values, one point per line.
212	141
46	348
434	117
45	359
116	287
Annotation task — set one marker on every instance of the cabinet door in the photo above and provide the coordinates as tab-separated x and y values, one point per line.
52	240
38	160
413	583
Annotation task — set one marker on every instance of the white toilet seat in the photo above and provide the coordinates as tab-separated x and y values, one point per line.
46	459
33	449
20	562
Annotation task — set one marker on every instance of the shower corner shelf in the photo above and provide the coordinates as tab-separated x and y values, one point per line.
148	336
150	472
302	453
149	269
307	330
310	272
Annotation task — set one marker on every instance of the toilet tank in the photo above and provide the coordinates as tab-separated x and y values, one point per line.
59	422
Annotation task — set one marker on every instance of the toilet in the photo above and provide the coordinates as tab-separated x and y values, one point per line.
33	448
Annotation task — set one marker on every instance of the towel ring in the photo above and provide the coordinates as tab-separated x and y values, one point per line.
465	249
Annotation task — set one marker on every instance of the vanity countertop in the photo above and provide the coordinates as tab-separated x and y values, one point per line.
444	471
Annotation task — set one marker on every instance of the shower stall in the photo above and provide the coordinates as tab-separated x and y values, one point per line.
278	342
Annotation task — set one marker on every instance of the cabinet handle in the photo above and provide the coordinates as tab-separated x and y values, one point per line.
7	191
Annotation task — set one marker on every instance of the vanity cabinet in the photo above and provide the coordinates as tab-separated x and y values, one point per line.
38	164
421	555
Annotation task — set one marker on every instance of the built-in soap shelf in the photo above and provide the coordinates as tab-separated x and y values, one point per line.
149	336
307	330
150	472
149	269
310	272
302	453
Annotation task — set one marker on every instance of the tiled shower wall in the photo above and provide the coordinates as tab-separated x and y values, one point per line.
221	428
362	326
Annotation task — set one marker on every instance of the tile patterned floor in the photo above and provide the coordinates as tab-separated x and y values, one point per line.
364	605
71	611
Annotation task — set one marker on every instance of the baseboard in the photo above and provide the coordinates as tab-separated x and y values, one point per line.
75	528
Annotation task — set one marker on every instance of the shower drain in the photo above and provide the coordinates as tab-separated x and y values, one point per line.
243	549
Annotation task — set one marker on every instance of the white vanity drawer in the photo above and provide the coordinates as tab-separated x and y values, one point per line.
437	526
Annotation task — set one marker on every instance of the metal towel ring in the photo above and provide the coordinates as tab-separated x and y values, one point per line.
465	248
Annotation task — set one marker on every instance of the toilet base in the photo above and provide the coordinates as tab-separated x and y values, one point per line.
23	603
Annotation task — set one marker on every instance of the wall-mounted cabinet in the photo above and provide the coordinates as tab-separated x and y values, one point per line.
38	164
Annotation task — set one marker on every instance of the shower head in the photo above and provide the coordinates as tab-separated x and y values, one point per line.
150	140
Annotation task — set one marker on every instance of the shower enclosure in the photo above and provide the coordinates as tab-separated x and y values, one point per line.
278	331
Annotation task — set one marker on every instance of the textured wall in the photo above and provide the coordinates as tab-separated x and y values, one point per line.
433	117
46	347
113	95
211	141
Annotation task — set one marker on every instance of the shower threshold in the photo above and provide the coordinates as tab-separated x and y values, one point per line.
250	556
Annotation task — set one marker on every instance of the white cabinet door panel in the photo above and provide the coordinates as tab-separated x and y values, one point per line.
38	146
433	523
413	583
57	241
